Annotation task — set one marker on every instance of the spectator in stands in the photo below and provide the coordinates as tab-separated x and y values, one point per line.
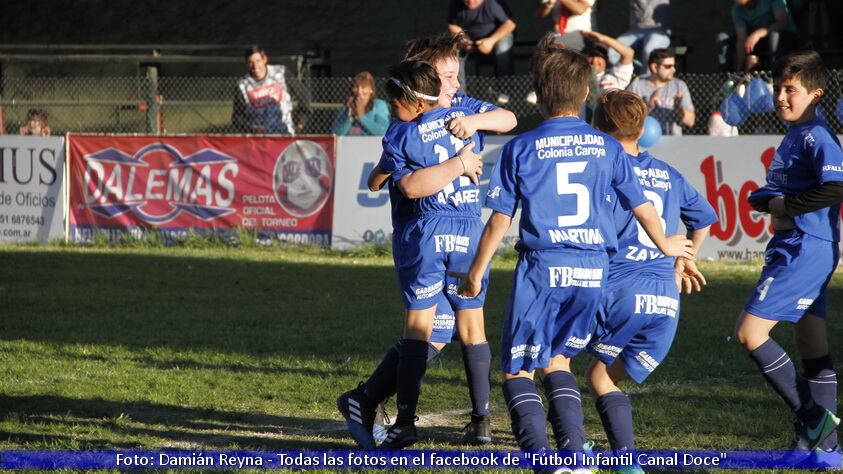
364	113
649	29
264	101
570	18
762	27
668	98
614	76
37	123
487	26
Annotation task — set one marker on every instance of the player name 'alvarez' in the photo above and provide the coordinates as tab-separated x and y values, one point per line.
560	146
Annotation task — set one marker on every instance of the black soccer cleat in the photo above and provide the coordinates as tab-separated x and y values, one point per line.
359	414
478	431
400	435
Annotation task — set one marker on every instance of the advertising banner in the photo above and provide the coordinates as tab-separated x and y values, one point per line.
281	187
724	170
32	188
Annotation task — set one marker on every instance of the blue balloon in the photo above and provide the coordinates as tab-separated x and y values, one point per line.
840	110
652	133
734	109
760	98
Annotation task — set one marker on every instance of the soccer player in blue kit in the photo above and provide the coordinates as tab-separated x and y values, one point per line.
438	215
443	53
639	311
566	176
803	193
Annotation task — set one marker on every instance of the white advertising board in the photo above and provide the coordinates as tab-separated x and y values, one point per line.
32	183
724	170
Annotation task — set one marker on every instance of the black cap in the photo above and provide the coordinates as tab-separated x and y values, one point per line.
597	50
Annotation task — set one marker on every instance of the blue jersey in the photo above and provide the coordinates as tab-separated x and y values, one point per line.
563	174
459	100
475	105
674	199
424	142
809	155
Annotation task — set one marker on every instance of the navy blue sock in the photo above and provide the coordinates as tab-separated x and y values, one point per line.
616	414
412	364
477	359
432	352
527	414
565	413
822	382
381	384
384	380
775	365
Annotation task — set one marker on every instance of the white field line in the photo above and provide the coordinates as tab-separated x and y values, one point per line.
339	426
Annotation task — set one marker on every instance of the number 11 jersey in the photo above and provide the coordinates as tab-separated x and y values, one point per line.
425	142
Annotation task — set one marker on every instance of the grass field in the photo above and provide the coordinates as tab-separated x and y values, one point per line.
237	348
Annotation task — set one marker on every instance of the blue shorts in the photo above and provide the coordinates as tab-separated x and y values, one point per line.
555	295
797	269
444	323
427	250
637	321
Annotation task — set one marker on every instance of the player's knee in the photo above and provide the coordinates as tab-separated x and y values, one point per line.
742	335
749	338
599	382
472	331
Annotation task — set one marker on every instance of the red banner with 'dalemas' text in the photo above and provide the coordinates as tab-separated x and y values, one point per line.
281	187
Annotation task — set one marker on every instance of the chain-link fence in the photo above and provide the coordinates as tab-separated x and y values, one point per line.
204	104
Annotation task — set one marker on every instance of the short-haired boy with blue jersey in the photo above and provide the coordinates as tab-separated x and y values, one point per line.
803	193
437	212
639	311
566	176
443	53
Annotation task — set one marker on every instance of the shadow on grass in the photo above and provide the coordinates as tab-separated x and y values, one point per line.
164	425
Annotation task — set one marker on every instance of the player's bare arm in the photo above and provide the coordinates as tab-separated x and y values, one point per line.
688	276
497	121
431	180
493	233
377	179
673	246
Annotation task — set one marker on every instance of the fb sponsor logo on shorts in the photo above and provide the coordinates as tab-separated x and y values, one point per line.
804	303
561	277
576	343
452	243
523	350
656	304
611	351
646	361
444	321
428	291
